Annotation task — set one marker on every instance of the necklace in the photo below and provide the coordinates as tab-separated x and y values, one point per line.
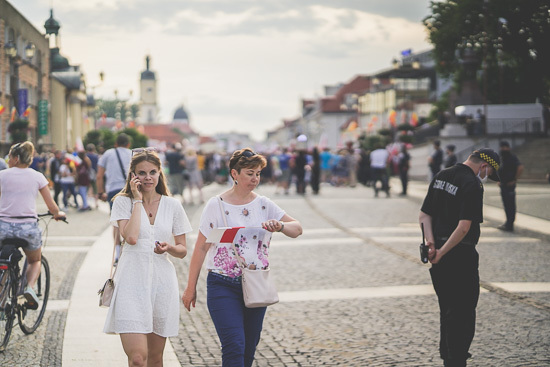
150	211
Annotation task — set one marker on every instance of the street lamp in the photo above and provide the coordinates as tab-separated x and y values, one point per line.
11	51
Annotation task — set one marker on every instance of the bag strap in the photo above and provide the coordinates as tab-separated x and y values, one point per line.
120	163
239	260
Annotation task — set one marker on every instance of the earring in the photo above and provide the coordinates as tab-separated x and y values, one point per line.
236	183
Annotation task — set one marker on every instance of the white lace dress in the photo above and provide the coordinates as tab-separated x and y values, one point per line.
146	297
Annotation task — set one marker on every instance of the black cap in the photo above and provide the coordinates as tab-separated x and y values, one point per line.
491	157
504	143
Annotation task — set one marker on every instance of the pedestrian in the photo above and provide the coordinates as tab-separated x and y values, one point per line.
300	163
176	165
194	174
19	187
238	327
379	160
509	172
326	157
451	215
145	308
67	174
450	159
436	158
55	163
83	179
94	159
3	164
114	164
315	171
403	165
284	179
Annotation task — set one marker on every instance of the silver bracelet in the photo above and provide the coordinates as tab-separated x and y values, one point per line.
282	226
137	201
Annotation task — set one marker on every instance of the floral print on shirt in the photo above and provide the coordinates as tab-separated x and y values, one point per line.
252	249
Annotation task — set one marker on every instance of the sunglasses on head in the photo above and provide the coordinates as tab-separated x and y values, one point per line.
248	154
141	150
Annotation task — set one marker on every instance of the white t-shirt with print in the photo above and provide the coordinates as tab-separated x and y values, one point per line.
220	256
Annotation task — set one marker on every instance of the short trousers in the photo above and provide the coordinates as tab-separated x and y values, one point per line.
28	231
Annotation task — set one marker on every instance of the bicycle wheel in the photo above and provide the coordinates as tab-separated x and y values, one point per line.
30	319
7	306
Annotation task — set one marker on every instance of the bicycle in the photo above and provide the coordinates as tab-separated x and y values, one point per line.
13	281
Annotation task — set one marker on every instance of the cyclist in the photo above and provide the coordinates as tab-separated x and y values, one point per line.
19	187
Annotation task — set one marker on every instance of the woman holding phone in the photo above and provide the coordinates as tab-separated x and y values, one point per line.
145	305
238	327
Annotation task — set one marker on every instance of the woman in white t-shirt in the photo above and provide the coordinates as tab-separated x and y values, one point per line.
238	327
19	186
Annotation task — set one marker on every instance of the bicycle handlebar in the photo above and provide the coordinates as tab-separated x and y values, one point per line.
48	214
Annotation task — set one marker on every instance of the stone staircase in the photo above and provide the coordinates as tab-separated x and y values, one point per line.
535	156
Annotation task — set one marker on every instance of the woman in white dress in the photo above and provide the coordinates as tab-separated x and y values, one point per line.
145	305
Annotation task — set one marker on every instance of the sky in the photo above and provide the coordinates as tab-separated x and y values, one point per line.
236	65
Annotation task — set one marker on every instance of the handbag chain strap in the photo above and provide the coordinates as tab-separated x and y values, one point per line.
235	252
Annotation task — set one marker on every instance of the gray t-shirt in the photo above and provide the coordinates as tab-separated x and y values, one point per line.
109	161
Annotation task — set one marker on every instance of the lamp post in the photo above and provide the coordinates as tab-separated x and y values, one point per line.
11	51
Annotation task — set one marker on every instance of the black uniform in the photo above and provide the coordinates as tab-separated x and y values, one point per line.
456	194
507	172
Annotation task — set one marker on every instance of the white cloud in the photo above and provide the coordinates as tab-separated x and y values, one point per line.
237	65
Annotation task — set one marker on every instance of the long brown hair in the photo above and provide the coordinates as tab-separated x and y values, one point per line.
146	156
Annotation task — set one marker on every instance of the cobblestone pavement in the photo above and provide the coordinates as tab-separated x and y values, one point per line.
354	245
352	290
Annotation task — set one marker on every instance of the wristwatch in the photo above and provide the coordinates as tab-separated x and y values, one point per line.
282	226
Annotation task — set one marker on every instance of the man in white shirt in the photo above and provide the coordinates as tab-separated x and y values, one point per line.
379	159
114	164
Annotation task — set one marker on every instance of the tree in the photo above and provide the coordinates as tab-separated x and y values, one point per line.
18	130
510	36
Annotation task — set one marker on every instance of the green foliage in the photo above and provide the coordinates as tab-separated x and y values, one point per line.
511	36
384	132
100	138
405	127
18	130
138	140
406	138
372	142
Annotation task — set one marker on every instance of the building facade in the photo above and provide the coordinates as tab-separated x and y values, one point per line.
24	76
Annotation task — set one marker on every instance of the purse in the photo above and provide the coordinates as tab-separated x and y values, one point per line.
106	292
258	287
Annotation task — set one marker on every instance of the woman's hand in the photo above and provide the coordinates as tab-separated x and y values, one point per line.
272	225
135	186
161	247
60	215
189	298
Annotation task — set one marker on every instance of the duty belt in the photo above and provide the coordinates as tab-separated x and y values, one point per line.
444	239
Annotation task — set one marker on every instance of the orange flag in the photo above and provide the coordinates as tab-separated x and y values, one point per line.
13	114
27	112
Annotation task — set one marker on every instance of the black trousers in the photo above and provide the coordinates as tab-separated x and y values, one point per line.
456	282
56	192
508	195
404	176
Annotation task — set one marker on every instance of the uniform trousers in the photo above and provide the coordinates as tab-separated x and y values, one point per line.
456	282
238	327
508	195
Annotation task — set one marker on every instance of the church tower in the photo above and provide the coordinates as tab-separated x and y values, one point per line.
148	95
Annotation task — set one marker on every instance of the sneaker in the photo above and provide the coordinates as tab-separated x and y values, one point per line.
505	228
32	299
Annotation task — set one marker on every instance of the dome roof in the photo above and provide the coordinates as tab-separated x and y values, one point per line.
181	114
148	75
52	26
58	62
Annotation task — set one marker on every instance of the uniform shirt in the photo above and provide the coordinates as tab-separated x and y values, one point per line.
455	194
508	167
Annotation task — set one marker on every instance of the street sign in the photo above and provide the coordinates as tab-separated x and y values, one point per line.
43	117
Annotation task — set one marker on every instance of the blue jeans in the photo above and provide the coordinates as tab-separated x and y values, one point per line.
238	327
